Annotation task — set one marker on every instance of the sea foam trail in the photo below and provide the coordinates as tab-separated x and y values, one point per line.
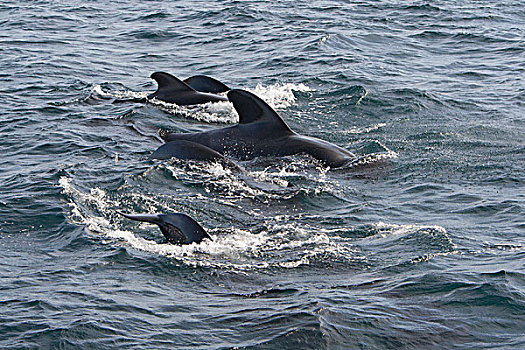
281	243
230	247
279	96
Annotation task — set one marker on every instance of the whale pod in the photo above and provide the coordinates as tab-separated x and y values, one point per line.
260	132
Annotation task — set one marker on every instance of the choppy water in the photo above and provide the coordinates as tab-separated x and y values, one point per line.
423	249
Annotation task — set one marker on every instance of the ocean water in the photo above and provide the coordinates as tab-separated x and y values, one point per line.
421	246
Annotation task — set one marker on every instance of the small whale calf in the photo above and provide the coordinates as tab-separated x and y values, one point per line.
260	132
178	228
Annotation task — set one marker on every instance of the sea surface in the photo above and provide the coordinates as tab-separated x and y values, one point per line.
420	246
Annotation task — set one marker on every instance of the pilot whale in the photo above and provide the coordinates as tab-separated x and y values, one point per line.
260	132
197	89
204	83
187	150
173	90
178	228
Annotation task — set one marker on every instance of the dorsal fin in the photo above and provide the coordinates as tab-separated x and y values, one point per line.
204	83
166	81
253	109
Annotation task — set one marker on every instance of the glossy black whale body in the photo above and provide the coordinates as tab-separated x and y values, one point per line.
178	228
195	90
204	83
260	132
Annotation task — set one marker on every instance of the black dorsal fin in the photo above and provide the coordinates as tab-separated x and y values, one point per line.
166	81
204	83
253	109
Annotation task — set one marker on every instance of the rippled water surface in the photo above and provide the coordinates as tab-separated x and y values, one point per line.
420	246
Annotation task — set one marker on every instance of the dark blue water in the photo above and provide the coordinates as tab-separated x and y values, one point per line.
423	248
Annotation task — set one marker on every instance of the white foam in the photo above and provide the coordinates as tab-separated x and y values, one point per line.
395	229
364	130
262	185
280	245
212	112
215	174
272	177
371	158
278	96
124	94
385	231
96	198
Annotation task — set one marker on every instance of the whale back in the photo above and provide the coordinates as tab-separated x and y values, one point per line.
173	90
188	150
177	223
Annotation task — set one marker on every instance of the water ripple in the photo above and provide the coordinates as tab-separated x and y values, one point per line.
421	246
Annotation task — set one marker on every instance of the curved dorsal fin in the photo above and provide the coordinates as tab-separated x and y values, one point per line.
166	81
253	109
204	83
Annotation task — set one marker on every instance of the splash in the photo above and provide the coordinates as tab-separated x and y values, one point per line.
364	130
214	177
369	159
384	229
409	243
279	244
278	96
120	94
281	181
211	112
